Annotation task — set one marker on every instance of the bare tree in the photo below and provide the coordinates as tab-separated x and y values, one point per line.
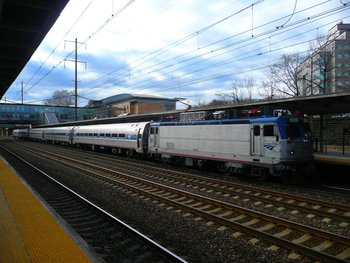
240	91
268	89
200	102
61	98
284	74
248	85
216	102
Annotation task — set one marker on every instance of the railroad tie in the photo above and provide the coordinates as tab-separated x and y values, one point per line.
302	239
266	227
345	254
251	222
283	233
237	218
323	246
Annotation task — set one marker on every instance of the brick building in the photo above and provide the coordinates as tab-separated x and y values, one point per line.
131	104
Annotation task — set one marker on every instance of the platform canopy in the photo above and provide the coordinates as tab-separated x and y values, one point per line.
334	103
23	26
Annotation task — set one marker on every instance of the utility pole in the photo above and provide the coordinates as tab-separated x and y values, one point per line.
22	91
76	81
76	76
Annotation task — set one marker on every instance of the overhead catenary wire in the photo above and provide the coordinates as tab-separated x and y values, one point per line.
227	38
305	20
90	36
159	69
59	42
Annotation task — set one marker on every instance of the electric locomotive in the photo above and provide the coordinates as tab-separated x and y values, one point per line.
260	146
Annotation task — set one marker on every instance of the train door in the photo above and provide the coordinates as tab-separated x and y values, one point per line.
156	138
143	137
153	137
71	135
139	138
255	140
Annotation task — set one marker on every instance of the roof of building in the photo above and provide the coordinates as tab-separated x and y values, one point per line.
130	97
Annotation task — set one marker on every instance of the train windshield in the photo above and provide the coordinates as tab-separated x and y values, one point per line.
293	130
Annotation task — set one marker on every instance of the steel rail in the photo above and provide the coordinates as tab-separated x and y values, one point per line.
254	232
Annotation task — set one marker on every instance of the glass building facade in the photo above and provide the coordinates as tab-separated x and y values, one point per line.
35	114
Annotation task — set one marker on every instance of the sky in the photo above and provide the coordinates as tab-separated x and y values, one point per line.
190	49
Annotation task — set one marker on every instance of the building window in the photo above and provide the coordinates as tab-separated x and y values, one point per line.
339	55
338	74
339	65
339	83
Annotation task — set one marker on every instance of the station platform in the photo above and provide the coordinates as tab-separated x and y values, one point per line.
28	230
336	158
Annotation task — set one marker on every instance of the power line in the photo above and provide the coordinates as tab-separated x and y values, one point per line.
93	34
305	20
169	62
59	42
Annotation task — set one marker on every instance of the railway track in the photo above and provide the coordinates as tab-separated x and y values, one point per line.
111	239
327	211
279	232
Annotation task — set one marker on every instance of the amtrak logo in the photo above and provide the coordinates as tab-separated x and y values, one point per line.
270	146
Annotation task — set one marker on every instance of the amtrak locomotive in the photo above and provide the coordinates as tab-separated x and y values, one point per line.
262	146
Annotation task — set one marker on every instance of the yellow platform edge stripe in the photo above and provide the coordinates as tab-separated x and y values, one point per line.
28	232
332	160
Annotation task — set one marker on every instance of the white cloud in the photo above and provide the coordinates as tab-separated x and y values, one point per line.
132	53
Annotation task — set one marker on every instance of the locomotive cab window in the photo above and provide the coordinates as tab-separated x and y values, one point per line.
269	130
152	130
256	130
293	130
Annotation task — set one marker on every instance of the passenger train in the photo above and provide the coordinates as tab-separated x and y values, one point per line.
260	146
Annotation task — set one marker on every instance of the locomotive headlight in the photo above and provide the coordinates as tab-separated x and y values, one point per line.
291	153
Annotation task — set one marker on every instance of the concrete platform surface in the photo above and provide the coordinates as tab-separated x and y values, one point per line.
28	231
